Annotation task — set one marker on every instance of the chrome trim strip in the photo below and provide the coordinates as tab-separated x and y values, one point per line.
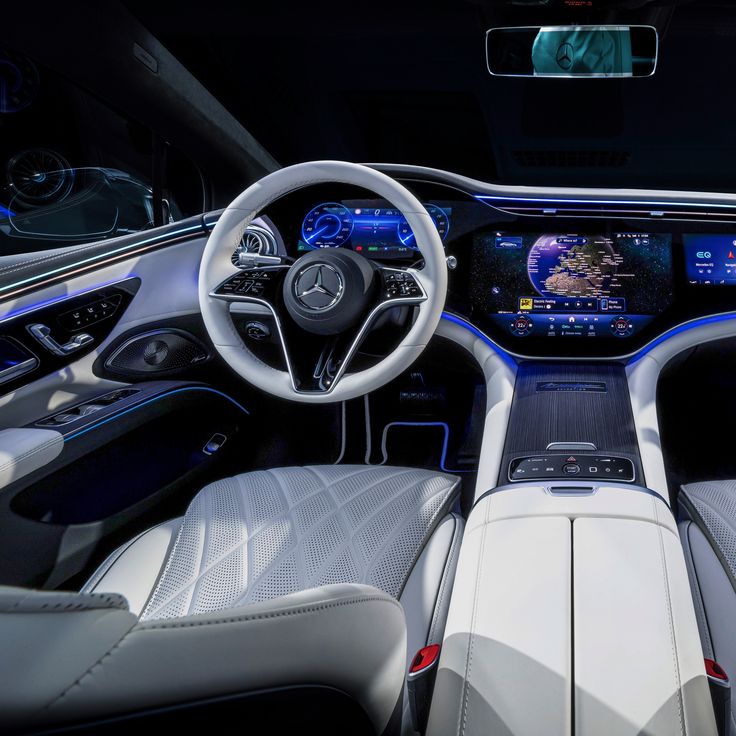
16	371
99	260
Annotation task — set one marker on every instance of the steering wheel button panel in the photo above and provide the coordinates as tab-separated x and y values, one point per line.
401	285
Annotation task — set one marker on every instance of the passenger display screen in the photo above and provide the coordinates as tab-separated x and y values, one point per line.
710	259
573	284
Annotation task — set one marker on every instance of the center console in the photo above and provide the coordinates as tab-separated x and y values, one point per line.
571	421
571	614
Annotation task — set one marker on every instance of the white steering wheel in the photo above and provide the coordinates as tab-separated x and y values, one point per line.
324	303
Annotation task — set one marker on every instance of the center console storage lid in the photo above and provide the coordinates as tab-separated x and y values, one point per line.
571	614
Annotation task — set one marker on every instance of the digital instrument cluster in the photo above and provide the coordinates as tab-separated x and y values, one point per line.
375	232
572	285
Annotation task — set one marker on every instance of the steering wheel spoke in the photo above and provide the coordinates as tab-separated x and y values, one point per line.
317	363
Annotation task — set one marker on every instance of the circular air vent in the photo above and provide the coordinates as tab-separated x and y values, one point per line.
38	176
256	240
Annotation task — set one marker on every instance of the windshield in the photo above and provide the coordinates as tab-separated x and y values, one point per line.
407	83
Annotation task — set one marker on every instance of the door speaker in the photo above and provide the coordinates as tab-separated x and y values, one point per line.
159	351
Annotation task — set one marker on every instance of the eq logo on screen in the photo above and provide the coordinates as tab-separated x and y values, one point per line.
704	254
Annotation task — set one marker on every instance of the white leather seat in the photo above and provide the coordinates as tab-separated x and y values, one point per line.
708	533
275	579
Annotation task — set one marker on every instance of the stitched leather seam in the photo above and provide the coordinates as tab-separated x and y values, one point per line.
145	626
69	603
139	628
450	563
670	621
700	612
471	643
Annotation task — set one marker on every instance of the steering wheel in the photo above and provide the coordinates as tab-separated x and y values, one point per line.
323	304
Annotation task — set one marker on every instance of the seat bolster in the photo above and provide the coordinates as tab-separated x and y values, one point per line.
426	595
133	569
49	641
350	637
710	582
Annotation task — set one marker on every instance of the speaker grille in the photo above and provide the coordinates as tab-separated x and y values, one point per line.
157	352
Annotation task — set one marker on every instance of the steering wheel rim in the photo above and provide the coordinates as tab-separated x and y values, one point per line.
216	268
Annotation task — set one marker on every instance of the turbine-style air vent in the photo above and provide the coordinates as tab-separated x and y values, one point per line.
39	176
255	240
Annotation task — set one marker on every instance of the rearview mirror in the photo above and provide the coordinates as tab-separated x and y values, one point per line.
572	51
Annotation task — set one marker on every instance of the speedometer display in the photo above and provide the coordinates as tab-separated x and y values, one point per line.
327	226
439	217
370	228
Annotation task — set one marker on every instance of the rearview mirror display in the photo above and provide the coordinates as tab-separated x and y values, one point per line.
572	51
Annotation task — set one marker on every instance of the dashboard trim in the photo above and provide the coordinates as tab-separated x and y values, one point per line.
96	261
631	356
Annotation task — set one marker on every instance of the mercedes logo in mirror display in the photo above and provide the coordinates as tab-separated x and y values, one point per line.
565	56
319	287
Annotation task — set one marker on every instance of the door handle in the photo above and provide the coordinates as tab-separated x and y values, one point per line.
42	333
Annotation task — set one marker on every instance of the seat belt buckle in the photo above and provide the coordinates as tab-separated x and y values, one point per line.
720	693
420	684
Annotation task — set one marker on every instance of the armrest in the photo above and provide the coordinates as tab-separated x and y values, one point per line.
24	450
571	610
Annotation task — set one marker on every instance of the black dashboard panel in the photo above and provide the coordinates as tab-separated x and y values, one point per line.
538	285
651	290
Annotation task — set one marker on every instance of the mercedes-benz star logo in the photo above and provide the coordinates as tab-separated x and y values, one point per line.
319	287
565	56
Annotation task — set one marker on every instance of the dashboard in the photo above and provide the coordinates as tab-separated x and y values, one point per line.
541	285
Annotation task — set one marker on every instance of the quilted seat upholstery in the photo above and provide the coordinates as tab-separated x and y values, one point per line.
266	534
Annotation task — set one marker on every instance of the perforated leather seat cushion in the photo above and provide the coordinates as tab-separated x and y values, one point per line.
715	503
265	534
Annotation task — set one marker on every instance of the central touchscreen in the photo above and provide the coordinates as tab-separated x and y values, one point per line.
572	285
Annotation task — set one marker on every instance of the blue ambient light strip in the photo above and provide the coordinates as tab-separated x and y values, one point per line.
150	401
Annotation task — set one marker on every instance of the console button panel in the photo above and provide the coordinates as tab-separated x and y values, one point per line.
588	467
